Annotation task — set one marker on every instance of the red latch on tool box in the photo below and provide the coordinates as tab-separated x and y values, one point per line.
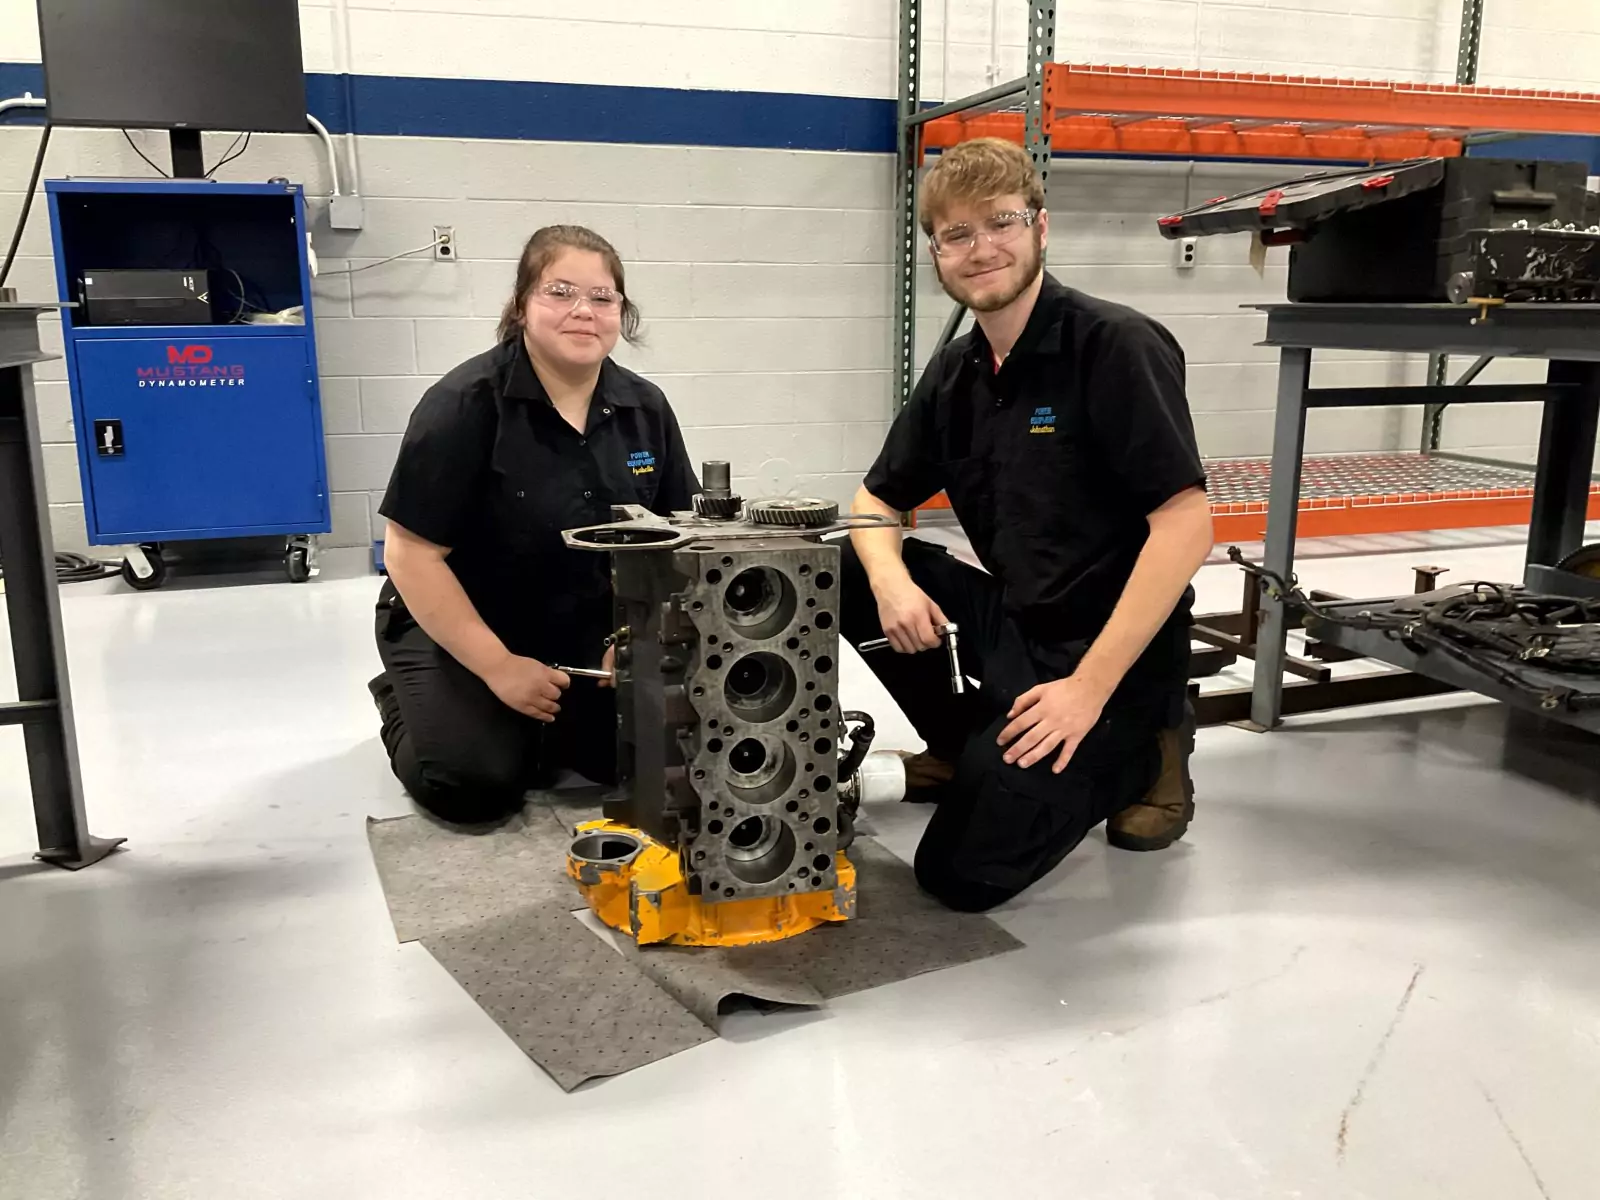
1269	202
1376	182
1170	221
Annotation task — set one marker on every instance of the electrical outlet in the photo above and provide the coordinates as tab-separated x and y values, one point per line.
1188	248
444	243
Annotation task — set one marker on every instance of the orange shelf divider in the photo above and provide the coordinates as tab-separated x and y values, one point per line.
1353	516
1222	114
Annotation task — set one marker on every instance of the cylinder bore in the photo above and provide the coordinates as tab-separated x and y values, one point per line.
748	757
760	769
759	849
613	536
760	687
759	602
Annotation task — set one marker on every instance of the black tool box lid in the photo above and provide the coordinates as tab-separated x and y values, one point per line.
1301	203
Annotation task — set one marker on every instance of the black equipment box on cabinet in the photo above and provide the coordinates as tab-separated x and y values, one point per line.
1399	233
147	297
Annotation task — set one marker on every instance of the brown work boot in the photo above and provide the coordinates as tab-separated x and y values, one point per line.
926	776
1163	816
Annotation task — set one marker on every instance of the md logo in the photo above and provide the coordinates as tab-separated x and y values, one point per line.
193	355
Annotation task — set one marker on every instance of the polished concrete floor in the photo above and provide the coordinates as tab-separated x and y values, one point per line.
1371	971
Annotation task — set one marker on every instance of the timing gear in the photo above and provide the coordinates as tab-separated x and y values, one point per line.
1585	562
803	511
717	508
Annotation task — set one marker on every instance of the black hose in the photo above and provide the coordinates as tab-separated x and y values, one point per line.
1476	627
77	568
27	203
860	742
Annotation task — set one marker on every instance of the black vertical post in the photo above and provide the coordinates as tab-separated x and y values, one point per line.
1283	516
187	160
1566	462
44	707
1467	44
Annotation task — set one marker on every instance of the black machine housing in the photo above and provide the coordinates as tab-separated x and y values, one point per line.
1406	232
149	297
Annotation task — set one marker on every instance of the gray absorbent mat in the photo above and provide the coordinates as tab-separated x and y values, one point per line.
496	910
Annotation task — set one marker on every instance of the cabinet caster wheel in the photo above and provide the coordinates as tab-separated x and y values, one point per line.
145	570
297	564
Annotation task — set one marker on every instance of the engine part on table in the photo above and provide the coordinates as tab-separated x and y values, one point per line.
1492	628
803	512
1552	263
717	500
731	754
951	636
1398	233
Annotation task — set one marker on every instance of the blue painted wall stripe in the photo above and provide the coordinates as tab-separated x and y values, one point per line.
569	112
468	108
1557	146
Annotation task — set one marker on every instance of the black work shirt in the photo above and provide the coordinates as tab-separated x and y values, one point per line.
1053	462
490	469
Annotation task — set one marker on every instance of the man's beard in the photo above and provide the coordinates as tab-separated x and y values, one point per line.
1030	271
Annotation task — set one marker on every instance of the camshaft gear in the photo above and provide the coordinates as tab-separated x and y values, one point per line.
717	508
1585	562
803	511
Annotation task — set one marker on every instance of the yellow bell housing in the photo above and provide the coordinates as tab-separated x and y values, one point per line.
636	884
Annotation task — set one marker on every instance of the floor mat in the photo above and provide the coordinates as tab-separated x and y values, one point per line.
439	877
567	999
495	907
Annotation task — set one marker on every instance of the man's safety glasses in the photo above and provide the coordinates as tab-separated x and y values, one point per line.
998	229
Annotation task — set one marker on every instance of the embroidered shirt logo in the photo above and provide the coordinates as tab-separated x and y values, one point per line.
1042	421
642	462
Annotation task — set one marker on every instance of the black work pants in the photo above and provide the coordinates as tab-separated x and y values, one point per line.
463	754
998	828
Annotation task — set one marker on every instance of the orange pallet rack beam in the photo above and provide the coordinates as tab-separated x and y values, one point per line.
1223	114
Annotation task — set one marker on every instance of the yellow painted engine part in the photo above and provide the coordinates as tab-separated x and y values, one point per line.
1585	562
636	885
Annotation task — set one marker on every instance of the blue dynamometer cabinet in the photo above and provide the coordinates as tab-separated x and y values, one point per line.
194	432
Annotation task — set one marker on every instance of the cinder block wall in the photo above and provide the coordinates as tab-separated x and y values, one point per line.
764	272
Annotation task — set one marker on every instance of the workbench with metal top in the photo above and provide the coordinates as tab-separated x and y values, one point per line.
1567	335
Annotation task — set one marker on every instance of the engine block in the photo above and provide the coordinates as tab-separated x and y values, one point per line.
739	772
727	686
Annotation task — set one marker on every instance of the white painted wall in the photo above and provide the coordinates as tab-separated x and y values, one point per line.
847	47
765	274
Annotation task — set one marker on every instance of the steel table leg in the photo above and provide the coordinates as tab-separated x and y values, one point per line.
1283	513
1566	463
34	611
